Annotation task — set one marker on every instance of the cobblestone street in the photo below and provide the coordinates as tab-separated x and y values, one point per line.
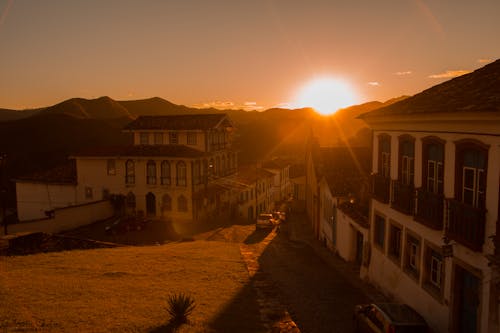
318	289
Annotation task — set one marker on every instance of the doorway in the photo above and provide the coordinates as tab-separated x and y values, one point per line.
466	301
150	204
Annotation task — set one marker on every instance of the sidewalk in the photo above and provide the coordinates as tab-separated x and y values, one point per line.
299	230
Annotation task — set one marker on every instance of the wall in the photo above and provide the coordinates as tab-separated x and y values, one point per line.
33	199
66	218
346	241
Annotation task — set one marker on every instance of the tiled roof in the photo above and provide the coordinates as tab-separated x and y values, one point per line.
179	122
61	174
478	91
142	150
345	182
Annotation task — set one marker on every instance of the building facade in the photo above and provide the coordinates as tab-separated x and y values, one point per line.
171	170
435	186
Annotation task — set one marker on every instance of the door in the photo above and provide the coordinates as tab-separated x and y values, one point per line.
150	204
466	301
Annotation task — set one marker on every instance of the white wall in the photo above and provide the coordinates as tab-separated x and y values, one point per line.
33	199
66	218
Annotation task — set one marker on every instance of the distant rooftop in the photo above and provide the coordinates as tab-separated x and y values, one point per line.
180	122
478	91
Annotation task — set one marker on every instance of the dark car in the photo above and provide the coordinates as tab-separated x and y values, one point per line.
388	318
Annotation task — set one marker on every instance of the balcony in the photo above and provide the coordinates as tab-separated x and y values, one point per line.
466	224
381	187
403	197
429	210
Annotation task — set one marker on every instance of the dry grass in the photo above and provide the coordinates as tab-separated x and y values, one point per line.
119	290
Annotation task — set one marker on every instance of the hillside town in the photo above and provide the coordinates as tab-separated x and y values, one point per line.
413	218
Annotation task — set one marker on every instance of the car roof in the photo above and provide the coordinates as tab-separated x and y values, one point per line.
400	313
266	214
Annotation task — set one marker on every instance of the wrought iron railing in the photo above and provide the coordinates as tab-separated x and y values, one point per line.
465	224
429	209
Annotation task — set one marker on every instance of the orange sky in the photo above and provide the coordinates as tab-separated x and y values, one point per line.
236	52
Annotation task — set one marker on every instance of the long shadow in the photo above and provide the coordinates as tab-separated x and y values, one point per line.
257	236
318	297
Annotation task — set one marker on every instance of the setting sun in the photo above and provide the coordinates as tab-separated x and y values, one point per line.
326	95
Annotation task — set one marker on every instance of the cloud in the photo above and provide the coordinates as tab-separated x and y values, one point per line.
449	74
374	83
403	73
484	61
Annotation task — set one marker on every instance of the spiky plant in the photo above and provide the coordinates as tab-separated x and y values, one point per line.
180	306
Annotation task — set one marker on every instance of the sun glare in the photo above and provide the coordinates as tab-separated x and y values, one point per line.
326	95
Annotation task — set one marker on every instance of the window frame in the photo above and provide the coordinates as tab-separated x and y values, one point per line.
129	172
181	173
173	138
384	157
151	172
433	253
144	138
165	177
436	165
395	242
412	269
406	165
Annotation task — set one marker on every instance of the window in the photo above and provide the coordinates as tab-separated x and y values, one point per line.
412	256
158	138
165	173
379	231
182	204
88	193
111	167
191	138
129	172
395	242
181	174
433	160
406	159
151	173
166	203
433	279
144	138
471	173
173	138
384	163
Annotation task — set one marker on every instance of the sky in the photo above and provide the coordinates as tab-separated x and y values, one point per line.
236	53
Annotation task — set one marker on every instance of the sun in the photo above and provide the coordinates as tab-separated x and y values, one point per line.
326	95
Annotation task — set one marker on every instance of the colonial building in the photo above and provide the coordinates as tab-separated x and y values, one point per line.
435	206
170	171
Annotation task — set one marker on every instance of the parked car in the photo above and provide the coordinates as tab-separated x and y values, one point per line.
127	223
388	318
266	221
281	216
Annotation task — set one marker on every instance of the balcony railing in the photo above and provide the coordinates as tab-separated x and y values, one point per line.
403	197
381	187
466	224
429	209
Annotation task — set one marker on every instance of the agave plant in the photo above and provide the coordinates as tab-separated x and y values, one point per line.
180	307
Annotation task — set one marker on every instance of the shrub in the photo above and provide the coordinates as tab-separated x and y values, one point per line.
180	307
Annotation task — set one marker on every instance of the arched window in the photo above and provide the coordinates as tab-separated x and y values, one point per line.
151	173
197	173
406	159
433	164
182	204
471	162
181	173
165	173
150	204
166	203
129	172
130	200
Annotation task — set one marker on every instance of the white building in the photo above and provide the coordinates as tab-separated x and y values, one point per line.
170	171
436	169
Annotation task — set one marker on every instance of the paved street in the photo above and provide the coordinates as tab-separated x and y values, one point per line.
319	290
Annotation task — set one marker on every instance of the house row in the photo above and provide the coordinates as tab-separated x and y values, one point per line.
337	195
429	237
181	168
